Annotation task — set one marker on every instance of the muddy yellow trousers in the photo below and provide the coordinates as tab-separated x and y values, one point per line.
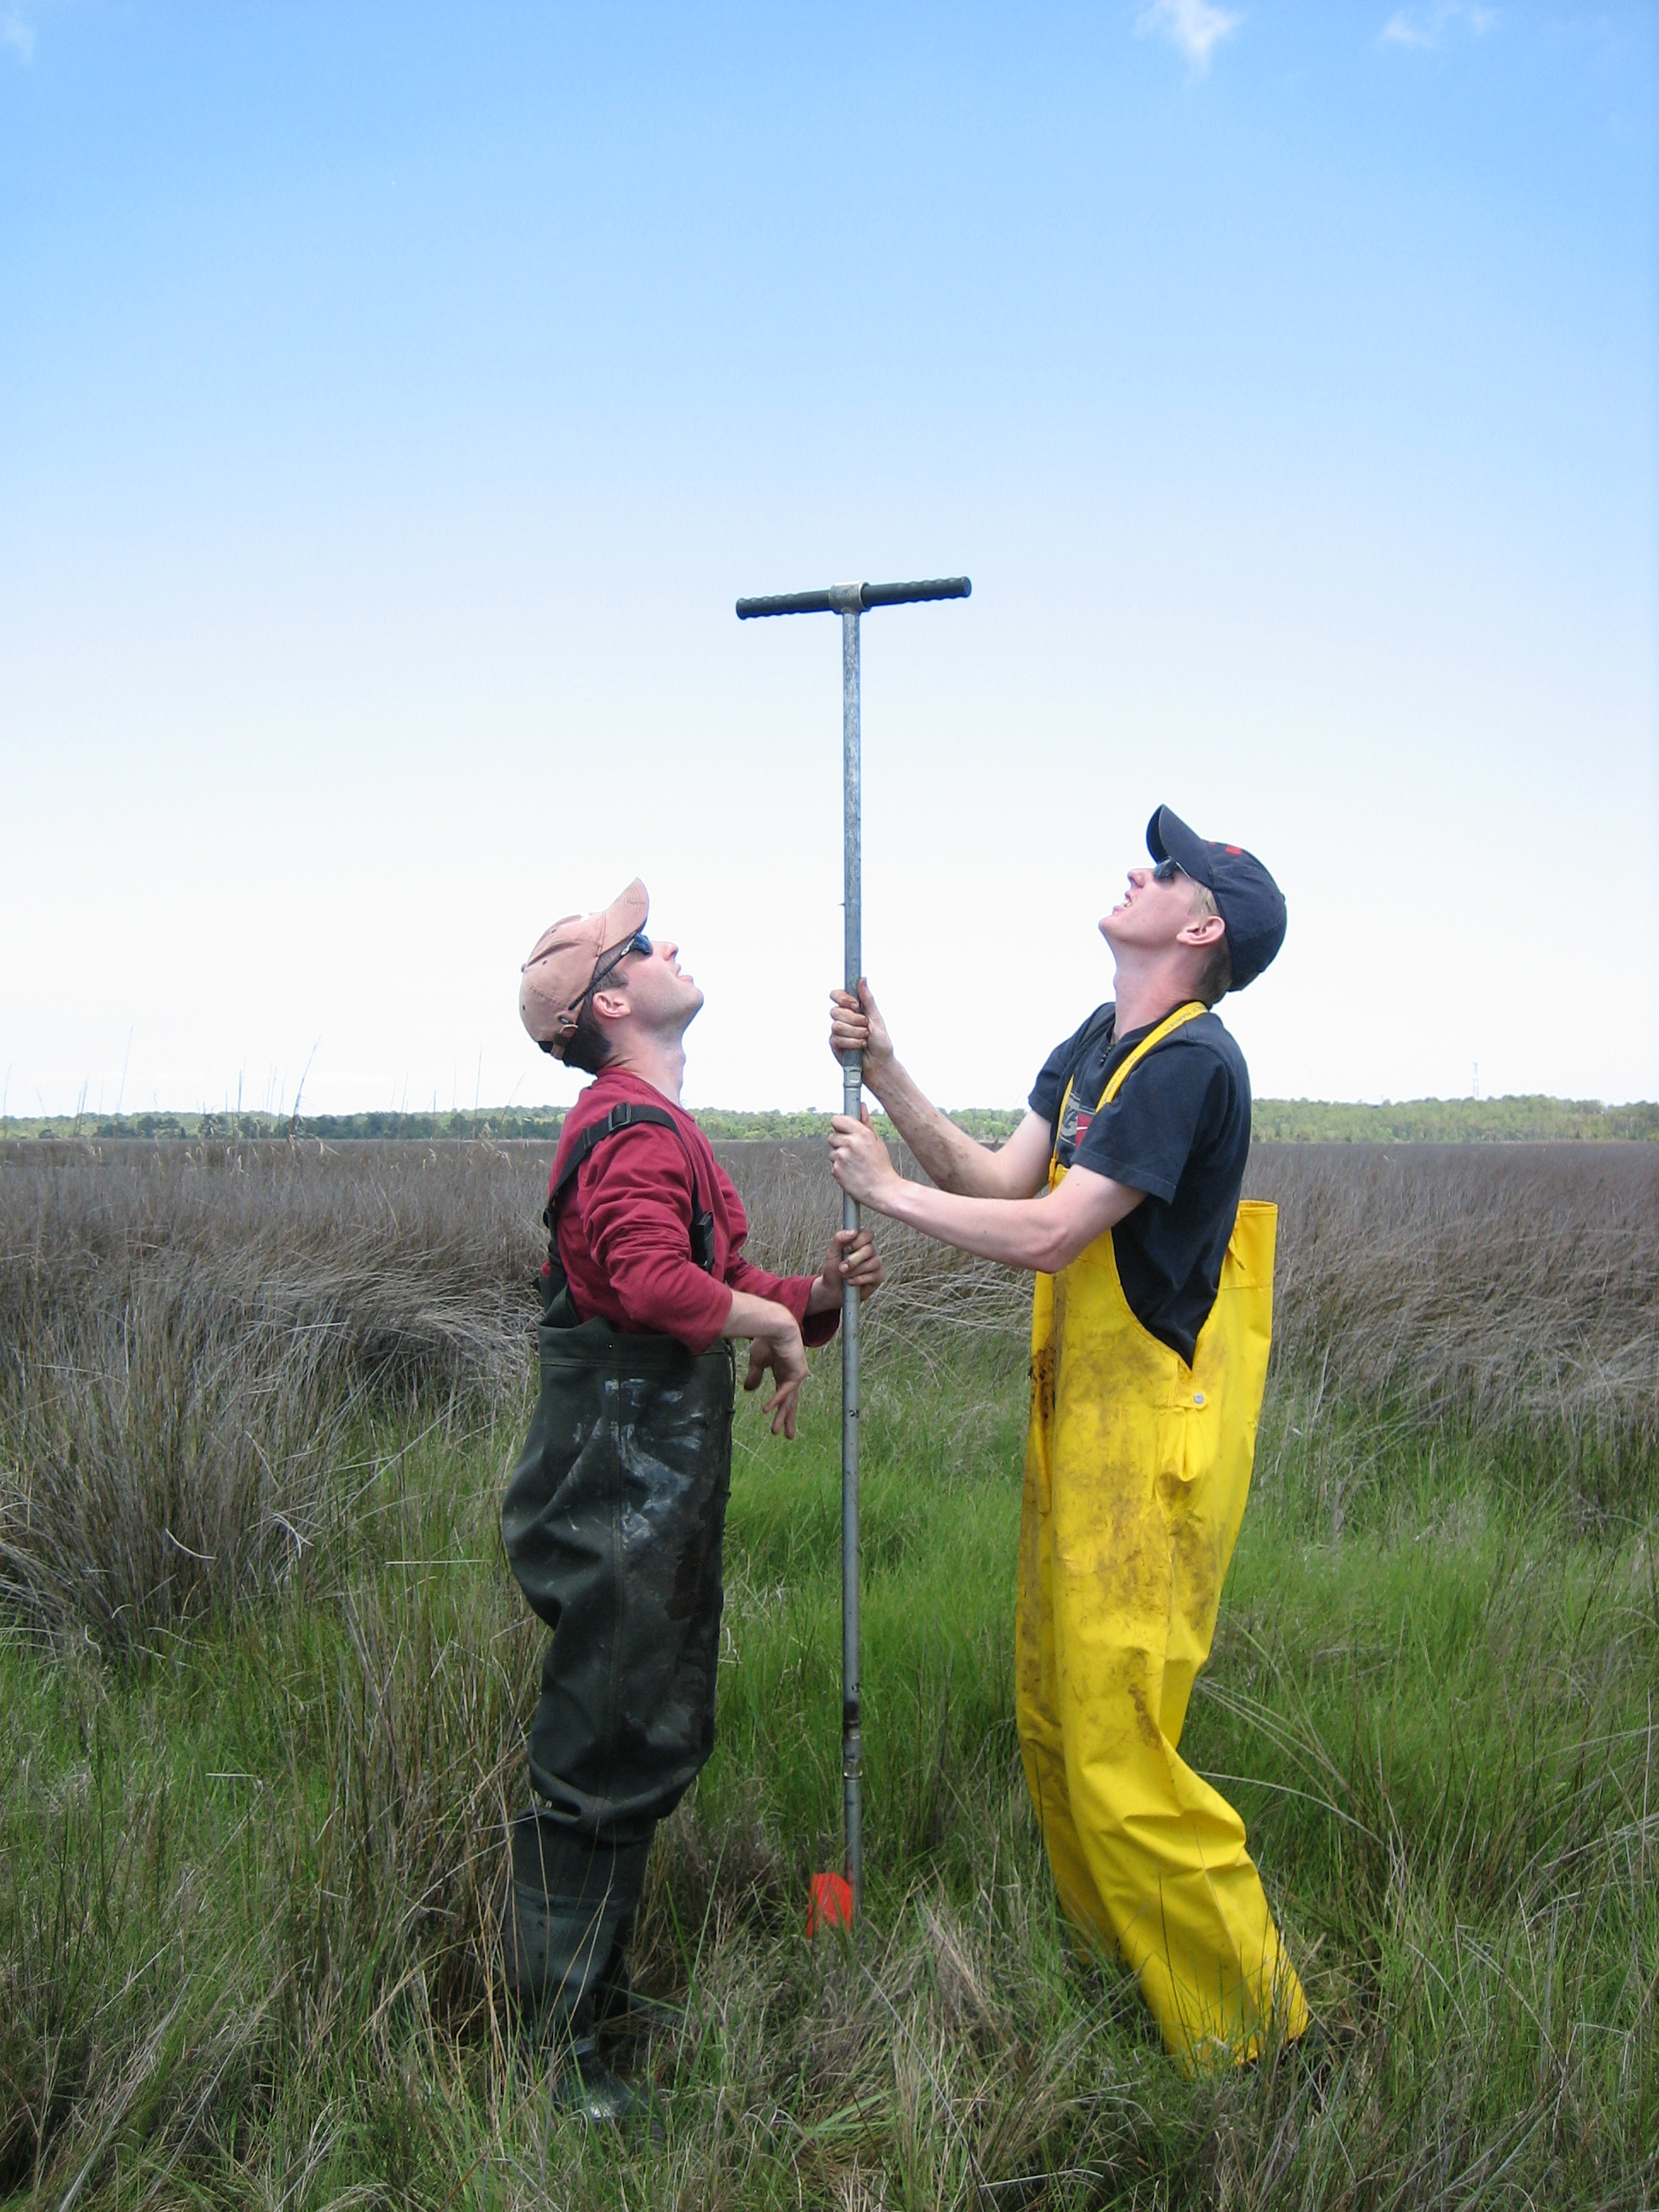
1137	1469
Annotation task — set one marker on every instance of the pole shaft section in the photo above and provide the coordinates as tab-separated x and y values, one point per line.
851	1744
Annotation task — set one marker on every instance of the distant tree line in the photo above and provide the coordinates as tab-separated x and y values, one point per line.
1532	1120
1295	1121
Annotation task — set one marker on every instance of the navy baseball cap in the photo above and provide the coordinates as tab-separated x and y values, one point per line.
1247	898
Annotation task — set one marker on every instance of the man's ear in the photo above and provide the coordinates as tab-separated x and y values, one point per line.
610	1006
1203	929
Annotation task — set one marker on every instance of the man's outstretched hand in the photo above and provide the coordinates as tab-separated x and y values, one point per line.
858	1160
856	1025
852	1258
774	1337
785	1356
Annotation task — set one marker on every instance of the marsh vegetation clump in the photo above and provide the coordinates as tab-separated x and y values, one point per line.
265	1677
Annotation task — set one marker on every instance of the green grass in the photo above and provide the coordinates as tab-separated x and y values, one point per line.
247	1881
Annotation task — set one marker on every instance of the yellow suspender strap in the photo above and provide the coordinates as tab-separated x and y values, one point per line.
1180	1016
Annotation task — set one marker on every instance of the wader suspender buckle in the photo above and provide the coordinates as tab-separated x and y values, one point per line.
628	1116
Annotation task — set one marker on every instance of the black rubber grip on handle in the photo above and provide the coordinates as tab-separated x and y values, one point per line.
785	603
901	595
870	595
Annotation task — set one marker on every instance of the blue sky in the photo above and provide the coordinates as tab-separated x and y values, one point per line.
394	400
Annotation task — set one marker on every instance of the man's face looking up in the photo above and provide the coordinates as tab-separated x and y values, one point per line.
1162	908
659	995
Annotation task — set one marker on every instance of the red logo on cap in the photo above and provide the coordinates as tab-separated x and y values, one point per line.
1234	849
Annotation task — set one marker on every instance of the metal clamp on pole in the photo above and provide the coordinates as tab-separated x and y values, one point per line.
850	602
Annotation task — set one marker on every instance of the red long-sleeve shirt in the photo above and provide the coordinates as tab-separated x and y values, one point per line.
624	1227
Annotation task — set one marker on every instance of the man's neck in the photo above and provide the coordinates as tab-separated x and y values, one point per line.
1145	994
654	1060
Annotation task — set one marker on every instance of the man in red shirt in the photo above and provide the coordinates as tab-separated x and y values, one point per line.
614	1515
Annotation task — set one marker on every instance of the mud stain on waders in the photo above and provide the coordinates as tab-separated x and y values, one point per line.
1043	1381
1145	1723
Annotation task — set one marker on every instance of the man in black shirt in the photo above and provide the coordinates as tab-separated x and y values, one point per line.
1119	1191
1181	1133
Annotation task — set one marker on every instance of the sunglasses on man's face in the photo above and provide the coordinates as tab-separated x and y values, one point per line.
1166	871
608	965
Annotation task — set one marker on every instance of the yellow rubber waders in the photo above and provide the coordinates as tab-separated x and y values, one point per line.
1137	1468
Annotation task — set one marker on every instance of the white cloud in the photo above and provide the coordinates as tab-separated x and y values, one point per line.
1195	26
16	36
1425	26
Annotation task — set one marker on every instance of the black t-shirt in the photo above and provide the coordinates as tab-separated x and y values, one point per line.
1180	1130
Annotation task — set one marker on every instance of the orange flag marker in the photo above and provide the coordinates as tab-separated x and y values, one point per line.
829	1903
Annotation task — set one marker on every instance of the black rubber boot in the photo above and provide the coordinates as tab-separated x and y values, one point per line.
568	1898
584	2085
621	2010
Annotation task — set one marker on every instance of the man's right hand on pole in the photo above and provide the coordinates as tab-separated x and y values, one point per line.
856	1025
949	1156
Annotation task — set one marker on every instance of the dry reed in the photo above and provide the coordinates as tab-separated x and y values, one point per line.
188	1329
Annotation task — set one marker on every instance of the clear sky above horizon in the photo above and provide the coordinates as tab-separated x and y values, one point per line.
394	401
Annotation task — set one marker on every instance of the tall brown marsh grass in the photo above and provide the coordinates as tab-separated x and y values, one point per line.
188	1331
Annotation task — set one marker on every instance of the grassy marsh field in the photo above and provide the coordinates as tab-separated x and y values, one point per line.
262	1676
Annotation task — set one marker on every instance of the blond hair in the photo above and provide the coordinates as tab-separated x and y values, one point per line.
1215	977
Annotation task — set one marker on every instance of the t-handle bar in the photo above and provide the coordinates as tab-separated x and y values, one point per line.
853	599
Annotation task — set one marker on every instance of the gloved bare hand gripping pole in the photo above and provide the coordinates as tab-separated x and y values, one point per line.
849	602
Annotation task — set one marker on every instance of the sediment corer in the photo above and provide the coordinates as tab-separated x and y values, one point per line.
850	602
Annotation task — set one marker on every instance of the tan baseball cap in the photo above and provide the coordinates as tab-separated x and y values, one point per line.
563	960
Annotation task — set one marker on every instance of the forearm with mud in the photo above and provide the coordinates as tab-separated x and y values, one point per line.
1042	1234
948	1156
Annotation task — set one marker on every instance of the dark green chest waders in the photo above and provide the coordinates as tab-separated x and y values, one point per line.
613	1521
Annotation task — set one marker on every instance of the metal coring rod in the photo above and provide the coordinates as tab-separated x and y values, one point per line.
850	601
